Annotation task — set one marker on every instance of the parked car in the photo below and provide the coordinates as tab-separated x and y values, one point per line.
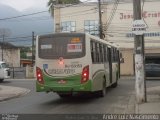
4	71
152	70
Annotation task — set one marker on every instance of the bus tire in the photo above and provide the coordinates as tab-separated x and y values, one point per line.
114	85
1	80
102	92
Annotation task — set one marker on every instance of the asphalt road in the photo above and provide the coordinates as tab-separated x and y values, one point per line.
115	101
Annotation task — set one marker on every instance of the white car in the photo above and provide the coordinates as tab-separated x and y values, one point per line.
4	71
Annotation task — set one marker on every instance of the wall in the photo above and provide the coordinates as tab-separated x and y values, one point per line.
78	13
11	56
127	68
121	25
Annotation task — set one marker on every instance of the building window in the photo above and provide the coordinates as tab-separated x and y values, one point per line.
91	27
68	26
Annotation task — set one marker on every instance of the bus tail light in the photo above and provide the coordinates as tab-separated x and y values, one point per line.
85	74
39	75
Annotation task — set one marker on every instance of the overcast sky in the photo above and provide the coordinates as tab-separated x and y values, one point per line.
21	5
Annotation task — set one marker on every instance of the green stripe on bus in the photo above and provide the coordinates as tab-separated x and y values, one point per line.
72	83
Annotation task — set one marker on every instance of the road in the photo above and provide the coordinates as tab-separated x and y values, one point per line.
115	101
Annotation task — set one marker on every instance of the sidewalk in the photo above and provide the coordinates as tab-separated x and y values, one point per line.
7	92
152	106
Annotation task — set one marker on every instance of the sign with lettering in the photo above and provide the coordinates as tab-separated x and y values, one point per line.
139	27
74	47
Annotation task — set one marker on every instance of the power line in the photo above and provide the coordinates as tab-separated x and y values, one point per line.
23	15
112	14
14	17
17	37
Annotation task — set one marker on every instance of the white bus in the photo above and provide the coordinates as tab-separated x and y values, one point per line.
69	63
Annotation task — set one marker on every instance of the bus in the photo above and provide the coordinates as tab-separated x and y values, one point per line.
73	63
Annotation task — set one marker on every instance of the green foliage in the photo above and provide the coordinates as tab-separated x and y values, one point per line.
23	52
23	55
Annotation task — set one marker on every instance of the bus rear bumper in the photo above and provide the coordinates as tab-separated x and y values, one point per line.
85	87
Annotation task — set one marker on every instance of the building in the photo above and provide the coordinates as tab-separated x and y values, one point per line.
117	19
10	53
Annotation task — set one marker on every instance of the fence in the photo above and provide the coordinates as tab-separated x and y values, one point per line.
22	72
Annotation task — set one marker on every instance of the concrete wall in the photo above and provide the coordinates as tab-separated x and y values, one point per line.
127	68
11	56
30	72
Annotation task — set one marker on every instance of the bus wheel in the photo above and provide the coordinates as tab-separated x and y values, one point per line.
1	80
102	93
114	85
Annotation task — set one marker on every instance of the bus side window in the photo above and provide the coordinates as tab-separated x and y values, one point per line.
97	53
105	53
112	54
93	51
101	53
91	47
116	55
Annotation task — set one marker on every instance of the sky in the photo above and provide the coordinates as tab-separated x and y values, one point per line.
22	5
40	23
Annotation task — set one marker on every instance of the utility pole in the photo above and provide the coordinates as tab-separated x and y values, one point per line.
100	20
32	48
4	32
3	47
140	85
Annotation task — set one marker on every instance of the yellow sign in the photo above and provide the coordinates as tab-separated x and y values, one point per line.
75	40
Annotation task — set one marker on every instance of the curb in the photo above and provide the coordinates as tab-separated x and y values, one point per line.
11	96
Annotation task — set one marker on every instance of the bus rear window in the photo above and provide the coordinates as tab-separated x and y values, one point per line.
54	47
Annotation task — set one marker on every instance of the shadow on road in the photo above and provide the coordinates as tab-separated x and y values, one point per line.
5	82
77	99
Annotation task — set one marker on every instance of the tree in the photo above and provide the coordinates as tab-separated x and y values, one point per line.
23	52
52	3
